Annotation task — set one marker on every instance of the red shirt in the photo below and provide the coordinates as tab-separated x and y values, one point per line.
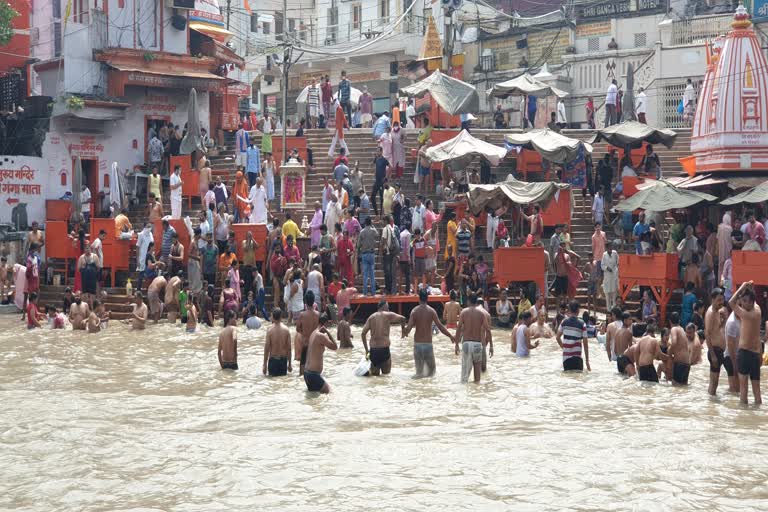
334	288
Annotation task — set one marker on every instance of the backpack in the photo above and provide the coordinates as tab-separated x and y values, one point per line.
394	242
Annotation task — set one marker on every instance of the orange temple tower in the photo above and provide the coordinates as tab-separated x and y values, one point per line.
730	128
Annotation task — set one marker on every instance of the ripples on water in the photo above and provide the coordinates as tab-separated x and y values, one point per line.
147	421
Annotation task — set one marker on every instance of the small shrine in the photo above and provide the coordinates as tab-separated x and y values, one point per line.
293	184
730	128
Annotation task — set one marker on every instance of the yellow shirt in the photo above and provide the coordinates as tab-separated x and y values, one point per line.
389	196
451	237
154	185
290	228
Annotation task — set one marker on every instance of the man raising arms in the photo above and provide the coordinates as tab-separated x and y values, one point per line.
422	317
378	325
277	348
319	340
473	326
748	357
714	333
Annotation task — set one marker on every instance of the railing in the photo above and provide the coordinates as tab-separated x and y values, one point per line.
362	30
669	95
644	72
700	29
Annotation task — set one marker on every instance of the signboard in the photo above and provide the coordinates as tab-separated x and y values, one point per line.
606	10
239	89
25	184
597	29
86	147
119	79
759	10
548	45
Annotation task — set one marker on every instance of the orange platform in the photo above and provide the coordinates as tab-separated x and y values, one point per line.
658	271
58	209
259	232
190	177
518	264
117	252
558	211
181	230
749	266
360	300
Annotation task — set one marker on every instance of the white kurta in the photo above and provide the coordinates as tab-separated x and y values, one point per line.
490	230
142	244
610	265
332	215
258	200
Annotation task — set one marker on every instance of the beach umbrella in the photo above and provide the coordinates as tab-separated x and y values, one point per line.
525	85
758	194
465	147
512	192
553	146
192	141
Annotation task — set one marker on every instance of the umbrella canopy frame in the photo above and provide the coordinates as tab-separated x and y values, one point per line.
465	146
524	85
553	146
512	192
758	194
463	98
663	196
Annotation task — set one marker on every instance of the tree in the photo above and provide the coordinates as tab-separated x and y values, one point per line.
7	13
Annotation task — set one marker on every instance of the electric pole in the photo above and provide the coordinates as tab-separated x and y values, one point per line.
286	64
229	11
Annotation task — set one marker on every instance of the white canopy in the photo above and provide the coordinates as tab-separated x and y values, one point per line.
525	85
465	145
551	145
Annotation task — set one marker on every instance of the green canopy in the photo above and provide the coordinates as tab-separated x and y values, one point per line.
661	196
511	192
758	194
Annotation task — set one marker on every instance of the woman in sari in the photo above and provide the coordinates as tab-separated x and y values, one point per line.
398	150
239	192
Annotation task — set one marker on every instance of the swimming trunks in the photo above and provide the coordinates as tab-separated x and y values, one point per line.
560	286
379	356
471	354
277	366
716	357
313	380
191	329
574	363
424	359
621	364
647	372
749	363
229	366
680	372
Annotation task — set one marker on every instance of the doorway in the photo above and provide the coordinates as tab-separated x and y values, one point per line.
152	125
90	168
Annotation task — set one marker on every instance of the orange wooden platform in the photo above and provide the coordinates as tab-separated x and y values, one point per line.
658	271
749	266
518	264
359	300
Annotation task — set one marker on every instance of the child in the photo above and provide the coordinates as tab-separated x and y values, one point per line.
33	314
343	330
481	267
100	309
252	322
592	277
55	319
93	324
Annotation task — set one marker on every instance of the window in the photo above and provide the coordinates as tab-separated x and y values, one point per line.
641	40
357	14
254	22
593	44
265	28
384	9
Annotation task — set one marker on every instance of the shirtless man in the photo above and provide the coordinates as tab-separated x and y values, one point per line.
633	352
172	290
35	236
714	333
139	314
378	325
541	329
610	332
277	347
622	341
678	350
473	326
93	324
192	313
422	317
748	356
78	313
451	311
155	208
343	329
306	323
648	350
319	340
154	291
227	351
694	343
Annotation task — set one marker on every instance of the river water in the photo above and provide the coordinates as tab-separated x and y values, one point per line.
147	421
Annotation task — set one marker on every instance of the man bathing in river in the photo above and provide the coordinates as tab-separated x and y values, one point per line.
154	291
78	313
422	317
277	347
171	301
572	338
319	340
227	351
139	313
678	351
714	334
622	341
610	331
378	325
472	328
648	349
748	356
306	323
344	329
451	311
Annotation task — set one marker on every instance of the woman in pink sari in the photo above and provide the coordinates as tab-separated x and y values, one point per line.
398	150
724	243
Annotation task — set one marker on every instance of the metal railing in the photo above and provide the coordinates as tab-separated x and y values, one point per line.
700	29
362	30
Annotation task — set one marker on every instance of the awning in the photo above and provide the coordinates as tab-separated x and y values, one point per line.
119	77
453	95
662	196
207	19
759	194
512	192
214	31
633	134
551	145
525	85
465	146
687	182
741	182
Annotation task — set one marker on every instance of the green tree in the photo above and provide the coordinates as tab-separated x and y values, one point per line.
7	13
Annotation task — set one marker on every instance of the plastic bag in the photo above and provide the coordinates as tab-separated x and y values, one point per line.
363	368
